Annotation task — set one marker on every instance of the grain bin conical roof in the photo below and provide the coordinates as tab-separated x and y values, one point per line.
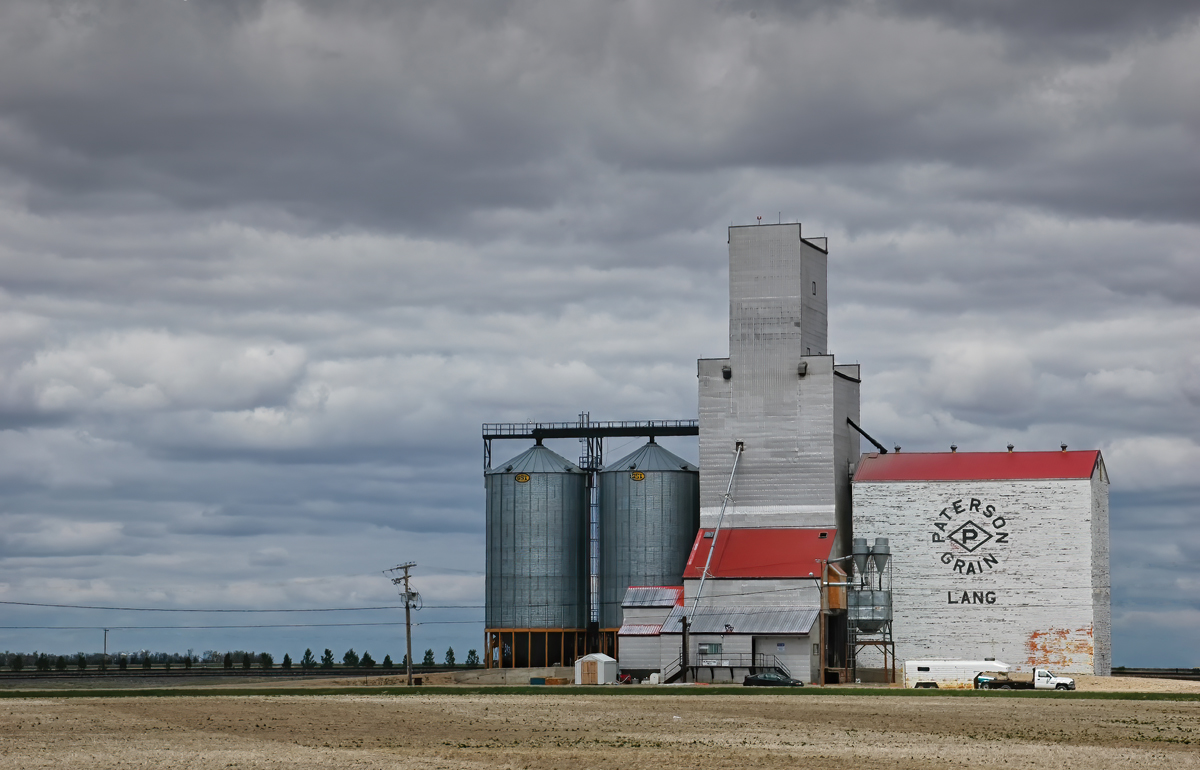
651	457
536	459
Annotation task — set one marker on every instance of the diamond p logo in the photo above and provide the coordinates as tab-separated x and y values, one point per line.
970	536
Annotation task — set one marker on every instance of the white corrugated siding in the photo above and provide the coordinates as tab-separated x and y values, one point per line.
641	652
796	653
798	446
647	615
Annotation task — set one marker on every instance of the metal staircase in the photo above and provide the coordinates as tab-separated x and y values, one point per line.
752	662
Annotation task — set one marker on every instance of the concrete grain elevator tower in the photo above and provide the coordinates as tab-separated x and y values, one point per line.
779	392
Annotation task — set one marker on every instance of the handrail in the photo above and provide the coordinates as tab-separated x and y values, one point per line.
592	428
751	660
741	660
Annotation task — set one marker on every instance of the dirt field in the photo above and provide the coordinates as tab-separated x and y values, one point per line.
653	731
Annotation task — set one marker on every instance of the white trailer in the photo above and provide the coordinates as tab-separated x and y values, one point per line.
949	674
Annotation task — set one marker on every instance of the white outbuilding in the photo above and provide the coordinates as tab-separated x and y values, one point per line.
596	668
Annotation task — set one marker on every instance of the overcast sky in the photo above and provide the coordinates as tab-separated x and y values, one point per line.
265	267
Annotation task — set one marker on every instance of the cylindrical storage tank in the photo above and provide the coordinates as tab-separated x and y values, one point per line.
869	610
649	515
537	524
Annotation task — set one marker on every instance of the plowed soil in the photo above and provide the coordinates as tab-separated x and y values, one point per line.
571	731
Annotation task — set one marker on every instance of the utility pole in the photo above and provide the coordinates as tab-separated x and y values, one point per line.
410	598
104	658
821	632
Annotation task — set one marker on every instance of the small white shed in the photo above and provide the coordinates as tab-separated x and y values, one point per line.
596	668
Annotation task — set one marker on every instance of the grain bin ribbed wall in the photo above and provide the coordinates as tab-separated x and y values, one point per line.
537	572
649	514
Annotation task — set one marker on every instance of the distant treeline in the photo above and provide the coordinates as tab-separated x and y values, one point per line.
243	659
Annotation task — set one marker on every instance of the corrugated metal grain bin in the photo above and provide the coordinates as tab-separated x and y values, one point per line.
649	515
537	571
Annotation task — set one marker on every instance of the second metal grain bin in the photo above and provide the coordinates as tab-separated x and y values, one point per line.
537	571
649	515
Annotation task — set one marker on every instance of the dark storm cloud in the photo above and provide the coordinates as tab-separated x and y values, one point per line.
186	105
1052	29
1061	28
423	116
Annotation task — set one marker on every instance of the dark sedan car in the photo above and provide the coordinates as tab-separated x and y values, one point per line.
771	679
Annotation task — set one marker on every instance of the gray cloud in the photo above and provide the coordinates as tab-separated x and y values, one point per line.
428	117
266	266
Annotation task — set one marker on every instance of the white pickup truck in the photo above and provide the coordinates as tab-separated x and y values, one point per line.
979	674
1040	679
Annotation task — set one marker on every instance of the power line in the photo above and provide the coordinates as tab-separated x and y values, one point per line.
760	610
218	609
261	625
1028	589
764	610
210	627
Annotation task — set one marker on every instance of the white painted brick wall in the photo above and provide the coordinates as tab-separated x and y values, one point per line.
1039	596
1101	577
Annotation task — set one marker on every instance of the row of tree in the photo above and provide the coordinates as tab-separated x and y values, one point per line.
238	658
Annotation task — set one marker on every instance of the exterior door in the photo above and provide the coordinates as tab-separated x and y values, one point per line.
591	672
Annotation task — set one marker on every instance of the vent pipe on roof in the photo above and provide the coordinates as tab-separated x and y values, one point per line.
953	448
1010	448
1064	447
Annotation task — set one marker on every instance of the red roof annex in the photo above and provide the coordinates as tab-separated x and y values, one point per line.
761	553
977	466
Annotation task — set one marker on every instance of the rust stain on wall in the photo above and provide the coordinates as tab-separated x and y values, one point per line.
1059	647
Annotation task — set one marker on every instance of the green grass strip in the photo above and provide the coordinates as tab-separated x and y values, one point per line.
562	691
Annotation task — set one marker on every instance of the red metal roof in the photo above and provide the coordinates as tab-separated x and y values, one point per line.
977	466
761	553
